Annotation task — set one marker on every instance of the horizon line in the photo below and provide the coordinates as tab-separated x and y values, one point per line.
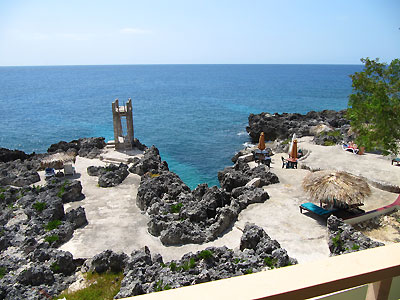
177	64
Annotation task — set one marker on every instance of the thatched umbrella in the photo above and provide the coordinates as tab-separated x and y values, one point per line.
336	188
57	160
261	142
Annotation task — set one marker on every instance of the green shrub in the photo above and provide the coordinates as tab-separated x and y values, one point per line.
286	142
355	247
334	133
3	272
62	189
270	262
236	261
37	188
100	286
329	143
52	225
159	286
20	195
248	271
337	241
55	267
205	254
39	206
52	238
176	208
190	264
2	196
173	266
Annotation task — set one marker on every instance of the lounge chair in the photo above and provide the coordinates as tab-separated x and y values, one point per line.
69	169
289	163
284	162
311	207
49	172
350	147
262	157
396	160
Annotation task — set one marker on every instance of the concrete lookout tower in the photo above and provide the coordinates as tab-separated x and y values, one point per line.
123	140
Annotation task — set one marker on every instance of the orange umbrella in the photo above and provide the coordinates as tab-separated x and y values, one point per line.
293	153
261	142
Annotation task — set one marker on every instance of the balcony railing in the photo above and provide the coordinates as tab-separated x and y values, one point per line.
373	267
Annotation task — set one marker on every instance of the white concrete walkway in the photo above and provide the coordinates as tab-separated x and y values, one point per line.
116	223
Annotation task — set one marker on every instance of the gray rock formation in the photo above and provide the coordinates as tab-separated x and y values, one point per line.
19	173
85	147
181	216
32	224
106	261
240	174
111	175
343	238
150	162
7	155
283	126
145	273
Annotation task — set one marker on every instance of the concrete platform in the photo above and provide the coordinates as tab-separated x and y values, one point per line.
116	223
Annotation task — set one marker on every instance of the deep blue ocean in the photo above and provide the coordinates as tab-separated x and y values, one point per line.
195	114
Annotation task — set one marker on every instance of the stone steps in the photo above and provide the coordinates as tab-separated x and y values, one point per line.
113	160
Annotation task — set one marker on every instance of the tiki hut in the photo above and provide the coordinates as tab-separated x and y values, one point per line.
336	188
57	160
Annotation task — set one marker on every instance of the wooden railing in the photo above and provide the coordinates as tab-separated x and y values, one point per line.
375	267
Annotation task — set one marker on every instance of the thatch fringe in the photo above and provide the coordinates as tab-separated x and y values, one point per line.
336	188
57	160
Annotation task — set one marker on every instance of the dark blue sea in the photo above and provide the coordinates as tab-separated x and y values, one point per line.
195	114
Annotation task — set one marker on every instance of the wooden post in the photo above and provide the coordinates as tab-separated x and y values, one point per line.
379	290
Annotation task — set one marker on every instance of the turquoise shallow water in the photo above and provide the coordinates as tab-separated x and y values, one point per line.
195	114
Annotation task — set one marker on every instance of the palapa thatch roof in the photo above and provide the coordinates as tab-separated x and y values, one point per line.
336	188
57	160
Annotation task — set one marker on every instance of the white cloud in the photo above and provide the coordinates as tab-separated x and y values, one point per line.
131	30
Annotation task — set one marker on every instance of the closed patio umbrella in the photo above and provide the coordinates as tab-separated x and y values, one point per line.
291	143
336	188
261	142
293	152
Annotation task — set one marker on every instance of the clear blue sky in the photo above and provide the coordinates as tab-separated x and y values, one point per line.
49	32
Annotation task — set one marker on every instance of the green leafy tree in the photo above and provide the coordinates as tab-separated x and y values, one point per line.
374	106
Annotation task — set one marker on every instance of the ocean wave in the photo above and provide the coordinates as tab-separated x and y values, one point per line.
242	133
248	144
